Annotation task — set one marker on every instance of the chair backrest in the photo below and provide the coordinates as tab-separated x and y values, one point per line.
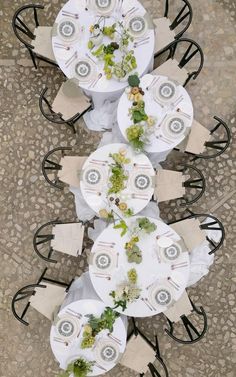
21	29
42	241
194	186
186	50
51	166
28	291
46	109
183	18
208	223
151	348
22	294
218	146
192	334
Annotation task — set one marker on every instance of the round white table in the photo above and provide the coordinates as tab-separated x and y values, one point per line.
153	272
159	142
105	91
95	175
83	299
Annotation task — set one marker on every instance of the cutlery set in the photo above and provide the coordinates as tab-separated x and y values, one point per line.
153	83
74	313
141	42
148	303
179	265
71	59
93	83
62	46
70	14
164	139
106	244
119	5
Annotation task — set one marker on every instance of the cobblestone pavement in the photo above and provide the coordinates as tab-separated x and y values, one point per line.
27	201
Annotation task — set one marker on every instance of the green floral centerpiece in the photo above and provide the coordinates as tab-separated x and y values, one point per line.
78	368
127	291
141	226
97	324
115	65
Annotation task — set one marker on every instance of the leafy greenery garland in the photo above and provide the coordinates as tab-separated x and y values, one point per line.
136	134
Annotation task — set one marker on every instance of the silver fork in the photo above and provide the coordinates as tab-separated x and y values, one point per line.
71	59
89	57
69	14
154	81
147	304
162	138
141	44
179	265
95	81
141	41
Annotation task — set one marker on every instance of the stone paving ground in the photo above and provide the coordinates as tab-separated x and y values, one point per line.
26	201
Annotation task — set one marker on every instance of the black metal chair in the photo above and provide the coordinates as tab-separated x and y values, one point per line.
24	32
212	224
161	366
50	167
218	146
172	29
52	116
193	334
27	291
195	186
192	51
43	237
185	14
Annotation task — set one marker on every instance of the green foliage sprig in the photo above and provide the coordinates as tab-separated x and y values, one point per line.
79	368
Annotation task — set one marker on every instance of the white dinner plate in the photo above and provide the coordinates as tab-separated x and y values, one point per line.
68	29
174	126
170	253
94	176
103	7
67	327
140	181
107	352
160	295
137	26
84	70
104	259
165	91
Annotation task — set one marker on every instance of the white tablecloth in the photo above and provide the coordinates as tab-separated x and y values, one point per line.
149	271
104	90
158	147
82	298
